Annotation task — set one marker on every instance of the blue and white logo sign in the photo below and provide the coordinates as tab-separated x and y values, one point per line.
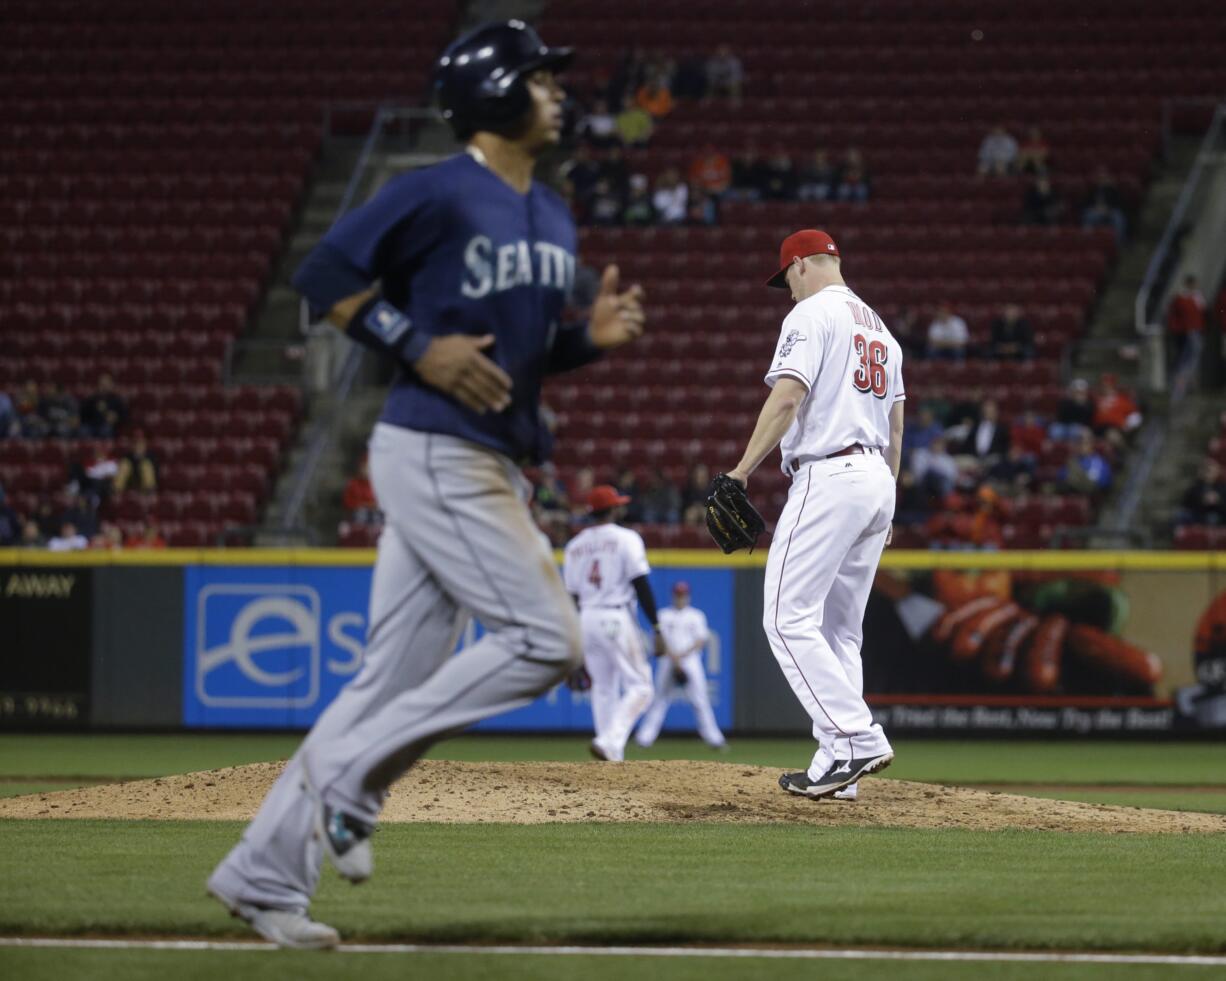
270	647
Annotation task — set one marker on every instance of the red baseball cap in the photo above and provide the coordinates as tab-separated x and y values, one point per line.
604	496
681	587
806	242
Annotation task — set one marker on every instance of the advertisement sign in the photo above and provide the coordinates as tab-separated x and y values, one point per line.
1090	652
46	618
271	646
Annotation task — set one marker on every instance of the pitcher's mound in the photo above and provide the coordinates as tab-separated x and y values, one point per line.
535	793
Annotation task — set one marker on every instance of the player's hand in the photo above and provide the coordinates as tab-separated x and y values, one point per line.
454	364
659	648
617	318
740	476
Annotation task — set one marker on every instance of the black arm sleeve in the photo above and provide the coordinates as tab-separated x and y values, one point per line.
646	600
572	348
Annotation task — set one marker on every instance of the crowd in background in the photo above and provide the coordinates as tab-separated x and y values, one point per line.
68	518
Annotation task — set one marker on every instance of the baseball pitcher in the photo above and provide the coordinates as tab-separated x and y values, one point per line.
605	569
475	260
836	410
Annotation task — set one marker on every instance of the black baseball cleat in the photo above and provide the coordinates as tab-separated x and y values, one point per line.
840	774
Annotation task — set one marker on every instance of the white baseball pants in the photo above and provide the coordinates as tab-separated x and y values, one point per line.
621	680
458	538
821	566
694	690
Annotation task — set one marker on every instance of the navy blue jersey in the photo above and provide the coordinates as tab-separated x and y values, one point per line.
459	250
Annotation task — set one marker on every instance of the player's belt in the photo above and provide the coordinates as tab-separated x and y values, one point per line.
855	448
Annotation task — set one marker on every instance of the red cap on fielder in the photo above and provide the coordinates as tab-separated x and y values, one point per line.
806	242
682	587
605	496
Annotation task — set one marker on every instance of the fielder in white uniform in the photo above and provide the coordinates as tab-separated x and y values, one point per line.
685	632
836	403
604	567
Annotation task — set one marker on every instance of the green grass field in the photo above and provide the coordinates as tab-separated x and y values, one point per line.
657	884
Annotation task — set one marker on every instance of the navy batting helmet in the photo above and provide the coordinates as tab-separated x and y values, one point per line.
480	80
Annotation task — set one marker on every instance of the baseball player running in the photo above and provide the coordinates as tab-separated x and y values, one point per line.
836	403
685	632
475	261
605	568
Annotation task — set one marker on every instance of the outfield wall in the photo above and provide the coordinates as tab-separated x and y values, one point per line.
1046	643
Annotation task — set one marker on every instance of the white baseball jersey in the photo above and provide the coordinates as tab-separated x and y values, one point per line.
683	628
837	345
600	563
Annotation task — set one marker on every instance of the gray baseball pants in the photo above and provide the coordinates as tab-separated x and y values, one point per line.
458	540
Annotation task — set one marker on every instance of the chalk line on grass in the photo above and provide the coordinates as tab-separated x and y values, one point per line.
746	953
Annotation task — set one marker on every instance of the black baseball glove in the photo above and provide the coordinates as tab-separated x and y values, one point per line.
579	680
679	675
732	520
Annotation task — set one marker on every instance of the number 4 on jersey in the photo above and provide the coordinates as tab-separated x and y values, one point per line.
593	575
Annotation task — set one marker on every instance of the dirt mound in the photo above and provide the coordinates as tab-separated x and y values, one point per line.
535	793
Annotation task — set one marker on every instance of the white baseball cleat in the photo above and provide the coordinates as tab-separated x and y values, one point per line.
284	927
345	838
601	752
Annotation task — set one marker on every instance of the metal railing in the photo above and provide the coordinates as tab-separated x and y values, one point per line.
341	381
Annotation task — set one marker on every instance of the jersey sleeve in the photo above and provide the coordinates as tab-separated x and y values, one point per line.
634	555
395	228
700	625
570	574
798	352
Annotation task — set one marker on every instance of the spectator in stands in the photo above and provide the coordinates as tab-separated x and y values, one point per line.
694	494
139	469
1185	323
639	210
711	171
1116	414
670	199
583	171
10	421
68	539
1104	206
701	208
948	335
817	180
10	525
1074	412
109	538
725	74
95	479
31	535
615	169
1012	336
1014	471
779	176
47	517
660	500
605	205
748	176
627	76
359	497
969	522
103	411
922	433
1028	435
60	411
853	182
145	535
33	425
599	127
987	439
690	81
635	126
911	337
79	511
549	492
997	153
1034	153
1041	204
1204	502
936	472
1087	471
627	483
654	97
